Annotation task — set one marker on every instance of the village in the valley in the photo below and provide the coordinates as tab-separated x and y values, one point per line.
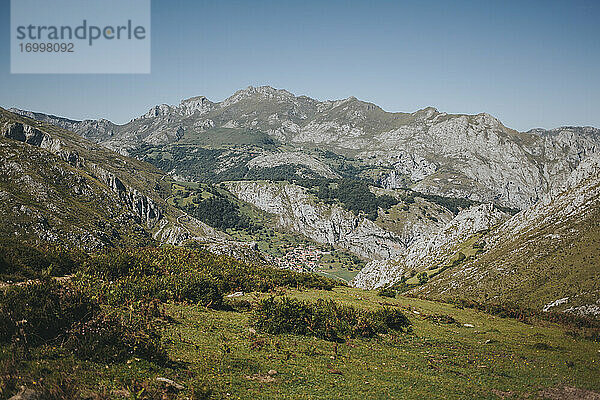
300	258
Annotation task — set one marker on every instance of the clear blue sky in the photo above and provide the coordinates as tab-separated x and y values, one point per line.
530	63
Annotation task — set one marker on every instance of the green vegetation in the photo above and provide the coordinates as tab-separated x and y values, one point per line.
325	319
217	207
227	137
184	275
38	312
20	261
112	312
130	316
387	292
340	264
355	195
547	260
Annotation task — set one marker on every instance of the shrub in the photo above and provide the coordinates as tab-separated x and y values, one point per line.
41	311
325	319
441	319
20	261
199	289
179	274
461	257
110	338
423	277
391	318
386	292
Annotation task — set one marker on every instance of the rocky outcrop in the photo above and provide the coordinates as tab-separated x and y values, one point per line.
97	176
31	135
293	158
472	156
300	212
432	249
545	257
144	208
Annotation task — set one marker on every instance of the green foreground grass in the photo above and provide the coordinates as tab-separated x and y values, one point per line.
220	350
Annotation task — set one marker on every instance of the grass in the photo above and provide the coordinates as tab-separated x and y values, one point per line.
337	264
464	251
220	349
550	259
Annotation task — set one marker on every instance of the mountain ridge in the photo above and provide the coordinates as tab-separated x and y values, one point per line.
94	175
453	155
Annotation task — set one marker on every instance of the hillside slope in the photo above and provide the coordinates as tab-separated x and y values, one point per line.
433	252
299	210
547	257
58	187
160	323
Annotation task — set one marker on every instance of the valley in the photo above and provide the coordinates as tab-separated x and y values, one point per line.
270	241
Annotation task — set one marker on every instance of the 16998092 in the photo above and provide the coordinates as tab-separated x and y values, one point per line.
46	47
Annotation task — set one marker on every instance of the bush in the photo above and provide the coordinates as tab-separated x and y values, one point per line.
110	338
198	289
441	319
461	257
386	292
179	274
391	318
20	261
39	312
43	312
355	195
325	319
220	212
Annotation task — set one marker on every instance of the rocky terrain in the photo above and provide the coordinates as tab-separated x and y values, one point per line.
58	187
299	211
264	144
547	257
472	156
430	250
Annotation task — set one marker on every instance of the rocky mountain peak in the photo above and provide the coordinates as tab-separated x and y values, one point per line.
157	111
488	121
454	155
195	104
260	92
427	113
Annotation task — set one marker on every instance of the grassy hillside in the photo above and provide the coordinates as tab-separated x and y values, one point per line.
548	253
59	188
45	198
130	317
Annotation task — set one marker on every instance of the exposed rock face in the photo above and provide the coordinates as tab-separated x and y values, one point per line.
143	207
472	156
544	257
300	212
430	249
50	178
31	135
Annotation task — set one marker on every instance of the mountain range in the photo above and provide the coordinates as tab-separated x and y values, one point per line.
262	128
466	205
